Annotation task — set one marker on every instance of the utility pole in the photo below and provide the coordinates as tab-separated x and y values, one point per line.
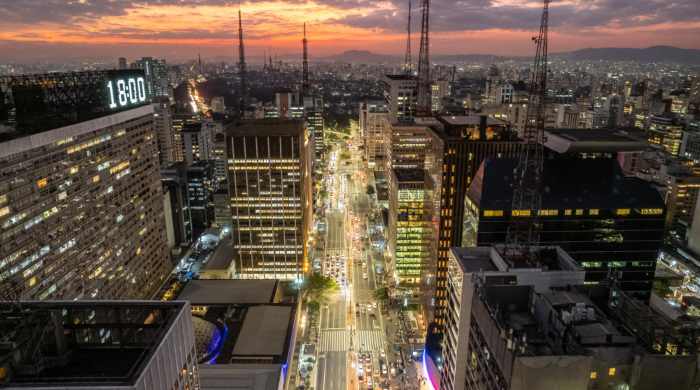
524	228
423	107
408	61
243	98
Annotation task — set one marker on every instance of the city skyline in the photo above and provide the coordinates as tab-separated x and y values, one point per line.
57	30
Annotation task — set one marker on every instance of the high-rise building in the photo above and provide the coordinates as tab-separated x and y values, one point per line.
411	233
607	222
178	219
374	121
163	125
81	211
534	325
121	63
270	192
200	176
313	112
198	141
439	90
288	104
400	94
467	141
118	345
666	132
180	122
156	72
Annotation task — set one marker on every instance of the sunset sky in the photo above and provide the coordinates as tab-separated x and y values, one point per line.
175	29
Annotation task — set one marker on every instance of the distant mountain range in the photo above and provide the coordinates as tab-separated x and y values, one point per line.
651	54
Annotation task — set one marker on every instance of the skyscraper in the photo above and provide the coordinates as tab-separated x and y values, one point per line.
374	122
81	213
163	125
270	192
400	93
156	72
313	112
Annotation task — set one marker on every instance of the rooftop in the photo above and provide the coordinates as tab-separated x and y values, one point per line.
470	120
33	104
491	259
266	127
567	184
409	175
229	291
222	257
592	141
81	343
264	332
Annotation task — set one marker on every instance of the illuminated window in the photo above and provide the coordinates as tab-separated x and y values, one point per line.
521	213
96	178
612	371
4	211
594	375
41	183
622	211
548	213
651	211
493	213
579	211
593	212
567	212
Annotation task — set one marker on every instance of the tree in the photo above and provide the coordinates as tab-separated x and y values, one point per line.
317	287
381	294
370	189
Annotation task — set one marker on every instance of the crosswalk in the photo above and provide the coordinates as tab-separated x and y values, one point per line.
369	340
334	340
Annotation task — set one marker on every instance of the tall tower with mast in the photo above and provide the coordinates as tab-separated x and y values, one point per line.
243	93
524	233
423	107
408	61
305	72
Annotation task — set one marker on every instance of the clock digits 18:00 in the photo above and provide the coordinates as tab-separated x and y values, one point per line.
126	92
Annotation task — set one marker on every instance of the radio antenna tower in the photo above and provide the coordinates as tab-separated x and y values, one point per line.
305	72
243	93
524	233
423	107
408	61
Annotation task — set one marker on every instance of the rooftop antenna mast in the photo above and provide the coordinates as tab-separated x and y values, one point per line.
423	107
524	233
243	93
305	74
408	61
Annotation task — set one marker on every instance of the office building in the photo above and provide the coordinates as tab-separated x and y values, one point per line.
374	122
180	123
178	220
119	345
533	325
467	141
156	74
198	141
245	330
400	95
200	179
411	234
289	104
439	90
666	132
222	203
313	112
81	211
412	145
607	222
270	193
163	125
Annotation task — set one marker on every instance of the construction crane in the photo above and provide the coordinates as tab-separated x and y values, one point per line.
424	106
243	98
524	229
305	73
408	61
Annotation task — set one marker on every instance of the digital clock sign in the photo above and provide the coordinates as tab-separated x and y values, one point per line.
125	92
